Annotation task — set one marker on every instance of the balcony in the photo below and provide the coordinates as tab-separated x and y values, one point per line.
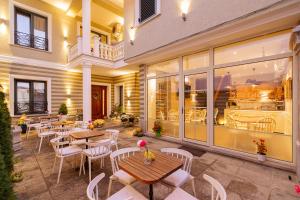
99	50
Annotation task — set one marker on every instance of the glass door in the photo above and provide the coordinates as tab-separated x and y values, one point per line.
195	107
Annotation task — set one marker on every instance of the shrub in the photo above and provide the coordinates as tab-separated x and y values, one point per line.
63	109
5	135
6	189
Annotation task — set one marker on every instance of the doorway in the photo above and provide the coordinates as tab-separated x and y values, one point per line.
99	102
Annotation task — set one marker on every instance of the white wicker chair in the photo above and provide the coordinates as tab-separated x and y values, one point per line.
125	193
217	190
114	134
118	174
181	176
96	150
44	132
62	151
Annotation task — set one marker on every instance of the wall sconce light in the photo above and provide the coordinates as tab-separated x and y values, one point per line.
2	25
68	101
185	4
66	43
132	31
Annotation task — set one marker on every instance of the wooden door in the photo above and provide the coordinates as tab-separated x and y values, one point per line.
99	102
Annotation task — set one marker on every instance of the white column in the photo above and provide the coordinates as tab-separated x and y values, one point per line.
86	26
86	91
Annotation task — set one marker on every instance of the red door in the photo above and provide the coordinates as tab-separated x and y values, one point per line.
99	102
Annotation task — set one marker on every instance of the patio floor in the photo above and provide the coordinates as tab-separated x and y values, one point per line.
242	179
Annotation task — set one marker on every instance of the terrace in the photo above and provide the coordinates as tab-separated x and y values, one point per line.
241	179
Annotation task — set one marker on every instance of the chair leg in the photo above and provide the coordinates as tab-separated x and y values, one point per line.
60	167
41	141
81	164
117	148
27	132
90	169
193	186
109	187
54	164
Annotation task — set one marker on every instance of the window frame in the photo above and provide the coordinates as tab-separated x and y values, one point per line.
138	13
31	96
31	15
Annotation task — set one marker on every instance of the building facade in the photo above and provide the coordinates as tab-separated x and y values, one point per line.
219	74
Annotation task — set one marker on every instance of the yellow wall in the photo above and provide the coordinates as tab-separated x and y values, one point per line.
62	26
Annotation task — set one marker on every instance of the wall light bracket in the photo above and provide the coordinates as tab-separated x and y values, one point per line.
183	16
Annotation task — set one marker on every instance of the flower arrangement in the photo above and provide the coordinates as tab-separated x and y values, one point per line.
157	128
98	123
261	147
148	155
90	125
22	120
297	189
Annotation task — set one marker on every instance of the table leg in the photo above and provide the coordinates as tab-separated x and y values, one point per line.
151	191
86	164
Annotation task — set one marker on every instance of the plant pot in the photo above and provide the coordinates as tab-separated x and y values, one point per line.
158	133
261	157
24	128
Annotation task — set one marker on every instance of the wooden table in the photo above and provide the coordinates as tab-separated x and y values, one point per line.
62	123
161	167
86	134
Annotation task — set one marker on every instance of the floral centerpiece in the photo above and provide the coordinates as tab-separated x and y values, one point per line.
261	149
148	155
90	125
22	123
98	123
297	189
157	128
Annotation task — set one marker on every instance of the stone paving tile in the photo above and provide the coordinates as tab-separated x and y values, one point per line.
242	180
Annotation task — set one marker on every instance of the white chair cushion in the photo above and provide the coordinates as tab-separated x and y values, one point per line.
127	193
179	193
78	142
70	150
95	151
124	177
46	133
178	178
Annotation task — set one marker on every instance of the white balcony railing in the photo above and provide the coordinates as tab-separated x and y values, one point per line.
99	50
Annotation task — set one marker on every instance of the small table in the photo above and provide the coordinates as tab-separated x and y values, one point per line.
161	167
62	123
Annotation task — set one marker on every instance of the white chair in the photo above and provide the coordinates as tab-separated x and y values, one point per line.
217	190
62	151
126	193
179	193
181	176
114	134
96	150
118	174
77	142
30	127
44	132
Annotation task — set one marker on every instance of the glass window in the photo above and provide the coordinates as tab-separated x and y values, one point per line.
30	97
272	44
147	9
164	68
163	105
195	106
195	61
30	29
254	101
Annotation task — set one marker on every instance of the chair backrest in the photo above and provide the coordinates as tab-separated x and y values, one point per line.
114	134
92	190
100	148
217	190
78	124
121	154
184	155
57	144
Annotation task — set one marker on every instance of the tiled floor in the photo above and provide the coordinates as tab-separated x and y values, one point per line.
241	179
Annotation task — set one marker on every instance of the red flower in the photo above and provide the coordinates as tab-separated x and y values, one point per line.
141	143
297	189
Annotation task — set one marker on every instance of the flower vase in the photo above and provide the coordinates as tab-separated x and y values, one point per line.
147	158
261	157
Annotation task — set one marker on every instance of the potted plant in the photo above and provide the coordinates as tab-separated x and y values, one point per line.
22	123
98	123
261	149
63	111
90	125
157	128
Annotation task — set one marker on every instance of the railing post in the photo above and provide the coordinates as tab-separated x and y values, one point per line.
96	45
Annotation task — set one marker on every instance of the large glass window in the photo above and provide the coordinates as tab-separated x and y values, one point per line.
163	104
198	60
30	97
30	29
254	101
268	45
163	68
195	106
